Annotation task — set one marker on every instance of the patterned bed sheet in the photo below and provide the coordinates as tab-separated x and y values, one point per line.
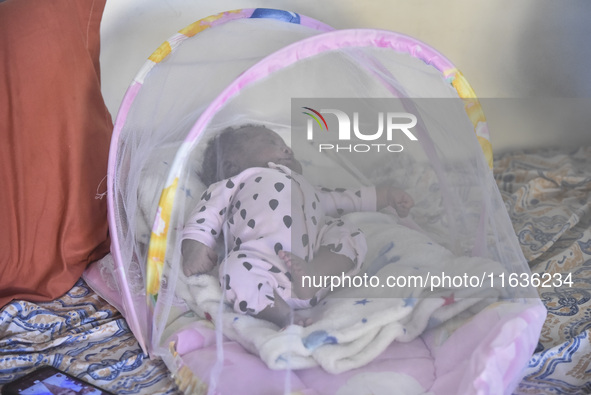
547	194
80	334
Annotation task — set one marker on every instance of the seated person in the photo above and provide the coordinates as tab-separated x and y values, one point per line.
277	226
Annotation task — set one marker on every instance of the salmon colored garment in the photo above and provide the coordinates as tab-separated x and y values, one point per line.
55	132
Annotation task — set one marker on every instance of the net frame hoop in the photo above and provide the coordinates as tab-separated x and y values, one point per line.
306	48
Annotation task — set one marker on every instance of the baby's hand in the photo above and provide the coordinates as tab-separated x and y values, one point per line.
401	201
387	195
197	258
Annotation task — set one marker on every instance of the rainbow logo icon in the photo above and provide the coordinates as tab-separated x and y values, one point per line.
315	117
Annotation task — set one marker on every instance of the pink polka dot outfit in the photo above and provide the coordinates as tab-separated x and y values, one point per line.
264	210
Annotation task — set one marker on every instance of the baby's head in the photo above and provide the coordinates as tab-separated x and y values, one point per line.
238	149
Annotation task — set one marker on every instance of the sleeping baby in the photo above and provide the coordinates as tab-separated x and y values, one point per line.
277	227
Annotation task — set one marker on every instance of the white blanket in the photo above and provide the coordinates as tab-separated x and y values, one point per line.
354	325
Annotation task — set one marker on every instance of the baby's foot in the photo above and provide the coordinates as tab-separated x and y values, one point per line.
297	320
301	275
302	319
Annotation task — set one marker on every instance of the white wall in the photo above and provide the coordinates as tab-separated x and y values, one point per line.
529	60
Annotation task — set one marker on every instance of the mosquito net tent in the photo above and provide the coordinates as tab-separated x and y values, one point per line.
374	253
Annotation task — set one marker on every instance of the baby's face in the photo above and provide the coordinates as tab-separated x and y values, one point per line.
261	146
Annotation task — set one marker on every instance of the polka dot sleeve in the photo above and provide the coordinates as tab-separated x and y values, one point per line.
339	201
207	219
